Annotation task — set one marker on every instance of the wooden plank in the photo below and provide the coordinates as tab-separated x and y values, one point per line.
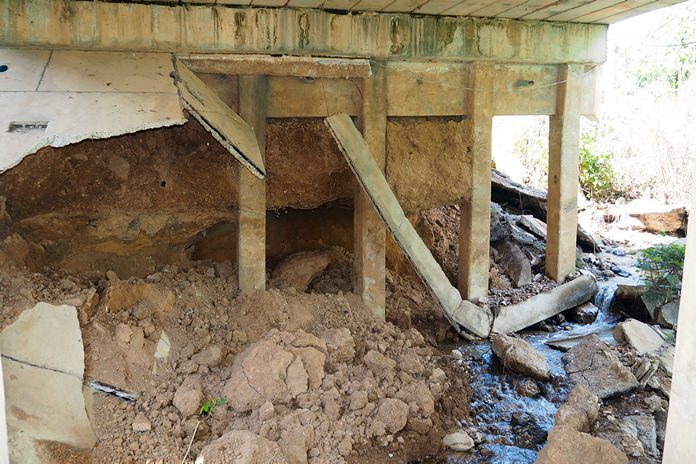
403	6
555	8
369	238
435	7
426	89
299	66
467	7
461	314
621	7
525	9
497	8
564	152
593	7
251	239
225	125
290	97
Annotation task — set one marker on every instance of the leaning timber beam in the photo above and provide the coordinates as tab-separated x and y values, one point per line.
464	316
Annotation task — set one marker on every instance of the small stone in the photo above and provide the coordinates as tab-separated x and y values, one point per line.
393	414
458	441
358	400
141	423
189	395
211	356
266	411
123	332
379	364
528	388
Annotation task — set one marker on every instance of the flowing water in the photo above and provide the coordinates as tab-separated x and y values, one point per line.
514	426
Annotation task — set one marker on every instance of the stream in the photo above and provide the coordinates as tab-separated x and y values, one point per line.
513	426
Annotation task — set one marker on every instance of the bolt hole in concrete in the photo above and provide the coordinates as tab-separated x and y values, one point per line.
27	126
163	183
4	67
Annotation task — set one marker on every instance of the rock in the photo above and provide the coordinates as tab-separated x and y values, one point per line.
189	395
123	332
500	226
527	433
210	356
580	411
592	363
340	344
584	314
296	377
519	356
151	299
458	441
266	411
393	414
532	225
669	221
528	388
379	364
163	347
514	263
241	447
141	423
566	446
668	314
645	430
43	366
298	271
640	336
258	375
358	400
313	361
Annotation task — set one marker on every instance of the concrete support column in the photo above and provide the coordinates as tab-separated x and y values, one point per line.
251	243
369	233
474	228
680	446
564	151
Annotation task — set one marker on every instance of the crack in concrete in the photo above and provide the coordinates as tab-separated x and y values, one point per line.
27	363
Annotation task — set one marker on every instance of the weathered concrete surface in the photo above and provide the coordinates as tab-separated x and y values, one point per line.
474	230
540	307
43	365
564	152
121	92
135	26
680	445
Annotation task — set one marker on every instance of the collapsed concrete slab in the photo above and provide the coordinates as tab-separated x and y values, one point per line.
43	366
545	305
43	94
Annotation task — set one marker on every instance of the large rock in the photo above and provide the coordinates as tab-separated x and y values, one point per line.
43	367
458	441
393	414
580	411
586	313
299	270
670	221
241	447
189	395
567	446
592	363
520	356
500	226
668	314
514	262
640	336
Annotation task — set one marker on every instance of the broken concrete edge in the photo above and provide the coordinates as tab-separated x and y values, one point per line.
190	98
544	305
59	141
463	316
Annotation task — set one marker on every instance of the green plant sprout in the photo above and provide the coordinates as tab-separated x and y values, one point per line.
208	408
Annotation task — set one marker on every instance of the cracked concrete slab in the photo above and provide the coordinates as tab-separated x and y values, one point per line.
56	98
43	366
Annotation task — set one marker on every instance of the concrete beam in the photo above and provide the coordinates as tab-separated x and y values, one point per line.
564	152
474	229
297	66
680	445
369	239
222	29
251	244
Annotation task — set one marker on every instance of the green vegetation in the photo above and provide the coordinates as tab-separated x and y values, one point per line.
208	408
597	176
663	267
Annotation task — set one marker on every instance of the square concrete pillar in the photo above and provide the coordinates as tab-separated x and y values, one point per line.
564	152
251	242
474	229
680	446
369	240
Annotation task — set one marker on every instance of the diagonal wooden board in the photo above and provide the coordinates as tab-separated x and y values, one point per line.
462	314
226	126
